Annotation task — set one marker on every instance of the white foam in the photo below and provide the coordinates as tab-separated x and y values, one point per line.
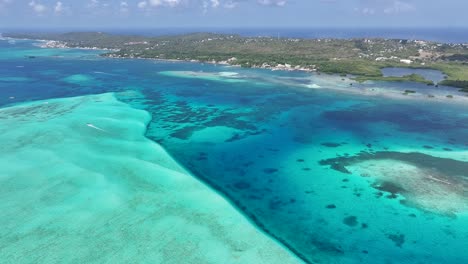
95	127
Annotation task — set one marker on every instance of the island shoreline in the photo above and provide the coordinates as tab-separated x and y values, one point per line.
361	57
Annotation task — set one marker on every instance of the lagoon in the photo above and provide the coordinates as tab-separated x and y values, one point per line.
432	75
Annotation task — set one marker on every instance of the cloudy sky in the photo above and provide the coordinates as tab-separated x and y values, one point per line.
233	13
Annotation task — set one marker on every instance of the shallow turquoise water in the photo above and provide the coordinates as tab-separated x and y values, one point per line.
81	183
322	170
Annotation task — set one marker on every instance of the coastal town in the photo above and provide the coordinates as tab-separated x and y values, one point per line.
362	58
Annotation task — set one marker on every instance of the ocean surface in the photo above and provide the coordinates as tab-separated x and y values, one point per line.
334	170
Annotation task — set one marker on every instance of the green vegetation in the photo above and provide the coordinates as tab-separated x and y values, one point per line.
409	92
406	78
459	84
457	57
359	67
363	58
457	74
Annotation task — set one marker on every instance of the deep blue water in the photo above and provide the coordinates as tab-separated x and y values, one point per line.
266	144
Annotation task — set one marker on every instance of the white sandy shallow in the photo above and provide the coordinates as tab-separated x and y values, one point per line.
80	183
425	188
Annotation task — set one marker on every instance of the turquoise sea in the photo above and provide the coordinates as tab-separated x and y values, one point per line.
331	170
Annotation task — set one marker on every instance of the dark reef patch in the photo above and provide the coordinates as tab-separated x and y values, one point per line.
324	245
331	206
275	204
389	187
398	239
184	133
242	185
270	170
331	144
336	166
350	221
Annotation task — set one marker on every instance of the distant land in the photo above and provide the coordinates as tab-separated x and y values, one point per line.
440	34
361	57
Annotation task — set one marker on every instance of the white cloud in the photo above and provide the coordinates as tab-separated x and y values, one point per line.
155	2
158	3
59	8
214	3
93	4
368	11
37	7
142	4
272	2
210	3
398	7
170	3
103	7
205	4
124	7
371	7
230	4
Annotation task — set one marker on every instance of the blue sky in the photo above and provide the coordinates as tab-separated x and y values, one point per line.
233	13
